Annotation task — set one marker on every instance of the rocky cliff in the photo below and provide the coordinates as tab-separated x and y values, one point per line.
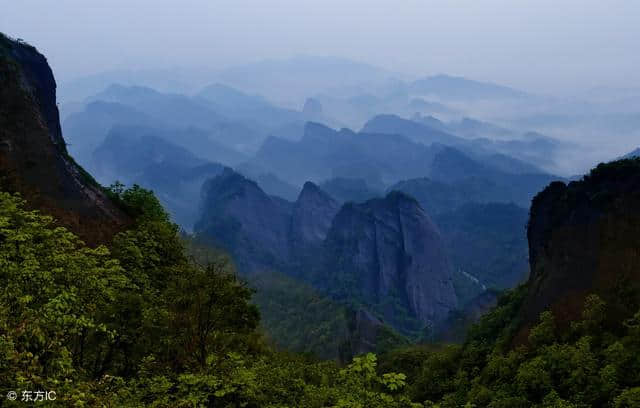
33	155
387	253
253	226
584	238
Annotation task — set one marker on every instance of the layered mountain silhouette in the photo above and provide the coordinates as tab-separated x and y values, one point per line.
456	180
418	132
324	153
506	150
139	155
298	77
252	109
451	87
384	159
143	106
87	129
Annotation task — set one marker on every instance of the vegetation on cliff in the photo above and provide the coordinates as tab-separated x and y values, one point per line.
588	365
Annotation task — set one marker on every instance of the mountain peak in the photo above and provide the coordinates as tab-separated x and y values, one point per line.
312	193
399	197
311	189
312	215
230	180
390	247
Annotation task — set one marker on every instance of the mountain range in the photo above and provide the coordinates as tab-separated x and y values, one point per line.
368	254
103	293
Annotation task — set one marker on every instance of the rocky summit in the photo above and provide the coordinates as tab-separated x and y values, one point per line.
311	218
389	248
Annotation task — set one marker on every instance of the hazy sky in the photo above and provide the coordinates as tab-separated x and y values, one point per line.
541	45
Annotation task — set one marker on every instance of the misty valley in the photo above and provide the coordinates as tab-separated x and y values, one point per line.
314	232
400	225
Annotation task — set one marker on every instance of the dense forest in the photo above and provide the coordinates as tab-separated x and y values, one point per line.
141	323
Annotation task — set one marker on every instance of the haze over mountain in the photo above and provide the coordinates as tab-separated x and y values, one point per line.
395	219
580	91
253	32
473	181
557	135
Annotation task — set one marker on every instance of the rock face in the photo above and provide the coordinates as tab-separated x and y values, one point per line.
389	249
33	155
253	226
584	238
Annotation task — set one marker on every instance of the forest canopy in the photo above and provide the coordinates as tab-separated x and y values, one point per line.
139	323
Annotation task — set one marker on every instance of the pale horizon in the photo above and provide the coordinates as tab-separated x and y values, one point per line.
540	47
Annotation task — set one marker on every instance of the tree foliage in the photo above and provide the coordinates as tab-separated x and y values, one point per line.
142	324
589	364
